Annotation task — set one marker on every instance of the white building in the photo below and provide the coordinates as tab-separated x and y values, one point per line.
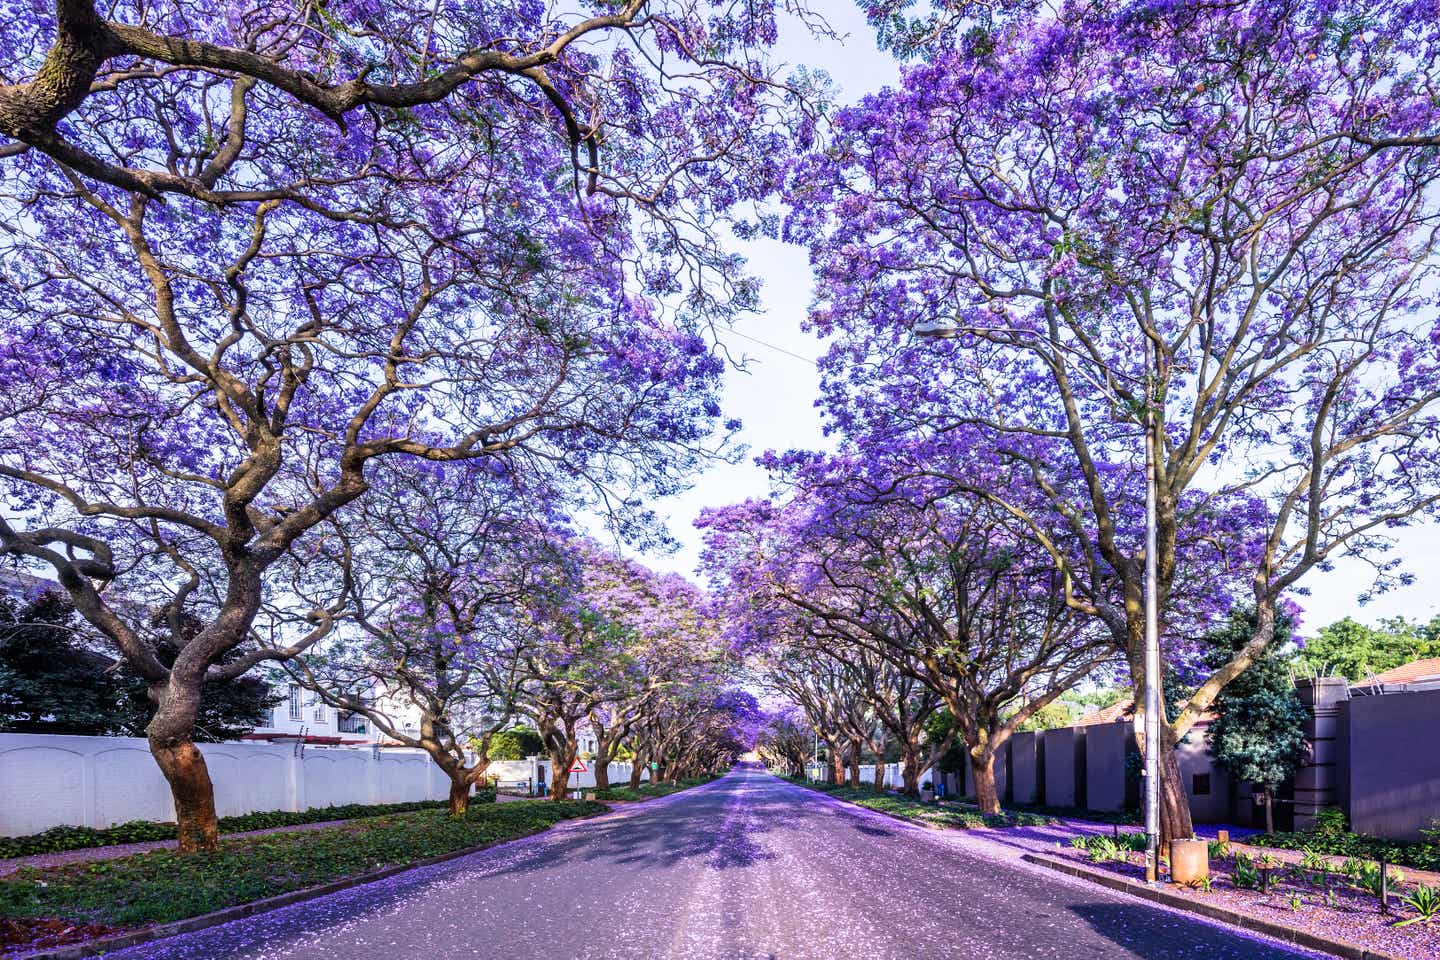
303	715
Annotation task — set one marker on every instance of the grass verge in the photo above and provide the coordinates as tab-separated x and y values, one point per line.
648	790
949	815
58	839
163	885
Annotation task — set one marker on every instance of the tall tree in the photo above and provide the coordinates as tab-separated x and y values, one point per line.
258	249
1259	731
50	679
1066	190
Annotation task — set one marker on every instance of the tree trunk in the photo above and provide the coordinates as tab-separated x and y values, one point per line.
193	792
1175	822
910	772
1269	810
637	769
879	778
560	780
170	733
837	767
855	769
982	769
459	795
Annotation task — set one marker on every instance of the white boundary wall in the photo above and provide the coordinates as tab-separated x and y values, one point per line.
48	780
531	770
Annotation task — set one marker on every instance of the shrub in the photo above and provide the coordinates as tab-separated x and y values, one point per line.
1246	876
1330	822
1425	901
1421	856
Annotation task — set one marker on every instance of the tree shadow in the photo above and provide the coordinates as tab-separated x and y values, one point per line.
1139	930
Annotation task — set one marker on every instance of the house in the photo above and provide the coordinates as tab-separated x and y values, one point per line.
302	715
1408	677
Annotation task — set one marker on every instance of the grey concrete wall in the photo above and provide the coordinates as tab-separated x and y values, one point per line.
1394	754
1193	754
1317	781
1065	766
1027	768
1105	749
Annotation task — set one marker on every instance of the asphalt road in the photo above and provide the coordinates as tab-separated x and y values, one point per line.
746	867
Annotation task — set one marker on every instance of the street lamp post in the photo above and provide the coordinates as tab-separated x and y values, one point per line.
1153	681
944	328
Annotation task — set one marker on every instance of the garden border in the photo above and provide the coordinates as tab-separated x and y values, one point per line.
91	948
1277	931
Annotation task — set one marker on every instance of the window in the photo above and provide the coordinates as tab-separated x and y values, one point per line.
1200	784
319	713
297	711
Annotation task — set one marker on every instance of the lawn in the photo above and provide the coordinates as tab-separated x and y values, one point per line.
163	885
61	838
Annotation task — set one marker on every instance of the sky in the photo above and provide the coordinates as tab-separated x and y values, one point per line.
774	395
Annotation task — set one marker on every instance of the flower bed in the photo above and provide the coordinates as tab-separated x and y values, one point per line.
1338	903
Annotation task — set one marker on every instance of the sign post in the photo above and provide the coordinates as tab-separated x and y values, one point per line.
577	768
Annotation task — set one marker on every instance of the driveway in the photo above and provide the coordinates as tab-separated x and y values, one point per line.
746	867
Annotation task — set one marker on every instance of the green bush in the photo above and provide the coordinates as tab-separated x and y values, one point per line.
1421	856
57	839
164	885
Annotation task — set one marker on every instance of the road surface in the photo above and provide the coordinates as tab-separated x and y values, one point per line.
746	867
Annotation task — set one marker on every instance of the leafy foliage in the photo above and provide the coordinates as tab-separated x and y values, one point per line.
49	681
1259	735
517	743
1356	651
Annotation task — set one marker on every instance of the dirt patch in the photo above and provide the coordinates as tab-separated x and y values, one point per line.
21	935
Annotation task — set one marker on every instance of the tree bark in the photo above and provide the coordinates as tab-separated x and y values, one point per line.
192	790
837	767
170	734
879	777
1175	822
601	764
637	770
560	781
460	795
910	772
982	769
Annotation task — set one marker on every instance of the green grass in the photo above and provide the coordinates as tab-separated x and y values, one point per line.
57	839
163	885
648	790
954	816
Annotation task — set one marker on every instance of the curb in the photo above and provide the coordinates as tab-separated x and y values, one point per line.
1276	931
122	941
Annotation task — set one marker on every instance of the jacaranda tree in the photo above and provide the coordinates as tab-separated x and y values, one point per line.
253	249
1244	193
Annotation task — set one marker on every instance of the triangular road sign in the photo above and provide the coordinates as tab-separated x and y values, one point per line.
578	766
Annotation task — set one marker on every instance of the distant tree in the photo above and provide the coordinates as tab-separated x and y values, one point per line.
517	743
49	681
1259	733
1049	717
1353	650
